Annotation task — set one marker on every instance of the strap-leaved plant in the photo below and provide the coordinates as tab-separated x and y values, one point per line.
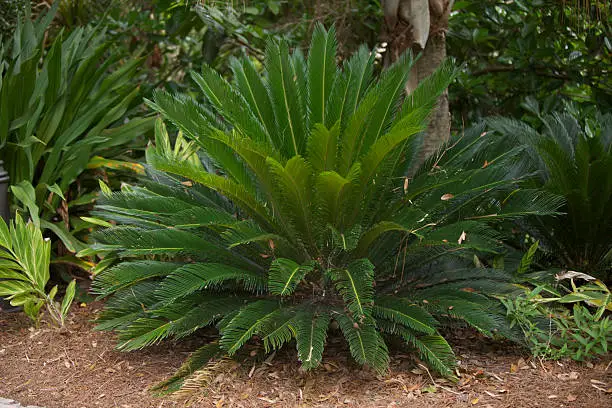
297	217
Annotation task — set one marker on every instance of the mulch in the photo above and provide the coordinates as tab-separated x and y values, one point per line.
79	367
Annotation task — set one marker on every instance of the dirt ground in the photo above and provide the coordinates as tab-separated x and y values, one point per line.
80	368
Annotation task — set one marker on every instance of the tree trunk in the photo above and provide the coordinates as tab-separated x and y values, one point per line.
420	25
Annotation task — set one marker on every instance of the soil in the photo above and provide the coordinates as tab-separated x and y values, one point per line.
79	367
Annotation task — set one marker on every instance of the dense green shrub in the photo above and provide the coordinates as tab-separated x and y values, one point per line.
299	217
572	157
61	110
551	329
520	52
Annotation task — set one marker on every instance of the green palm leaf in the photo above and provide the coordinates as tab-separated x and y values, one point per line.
285	98
193	277
321	71
366	344
355	285
246	323
310	334
285	275
402	312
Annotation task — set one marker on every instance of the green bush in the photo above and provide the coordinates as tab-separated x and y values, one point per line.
61	109
572	157
540	310
299	219
24	272
553	331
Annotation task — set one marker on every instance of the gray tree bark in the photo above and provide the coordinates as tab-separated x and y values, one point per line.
420	25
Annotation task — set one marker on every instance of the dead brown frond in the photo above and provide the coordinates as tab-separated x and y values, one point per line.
203	379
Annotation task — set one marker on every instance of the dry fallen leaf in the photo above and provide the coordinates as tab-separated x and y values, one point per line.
461	237
568	376
474	401
571	398
446	197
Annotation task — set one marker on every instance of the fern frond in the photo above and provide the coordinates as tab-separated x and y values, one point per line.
204	377
127	305
527	259
322	147
294	188
386	92
530	202
432	348
253	90
182	322
336	196
230	189
475	309
230	104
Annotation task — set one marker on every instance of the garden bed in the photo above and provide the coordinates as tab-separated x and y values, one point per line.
80	368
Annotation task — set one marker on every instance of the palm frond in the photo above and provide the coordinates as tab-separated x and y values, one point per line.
193	277
355	285
366	344
310	334
285	275
246	323
321	71
402	312
285	99
126	274
252	88
196	360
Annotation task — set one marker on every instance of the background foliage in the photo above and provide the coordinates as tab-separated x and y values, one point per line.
524	52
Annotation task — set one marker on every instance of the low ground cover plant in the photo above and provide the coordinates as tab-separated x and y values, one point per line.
24	272
297	218
561	318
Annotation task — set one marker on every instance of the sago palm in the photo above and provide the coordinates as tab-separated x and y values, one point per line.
299	218
573	158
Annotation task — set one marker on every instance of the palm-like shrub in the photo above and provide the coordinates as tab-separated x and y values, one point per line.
299	217
573	158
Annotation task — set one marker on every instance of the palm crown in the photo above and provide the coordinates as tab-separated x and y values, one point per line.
297	213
